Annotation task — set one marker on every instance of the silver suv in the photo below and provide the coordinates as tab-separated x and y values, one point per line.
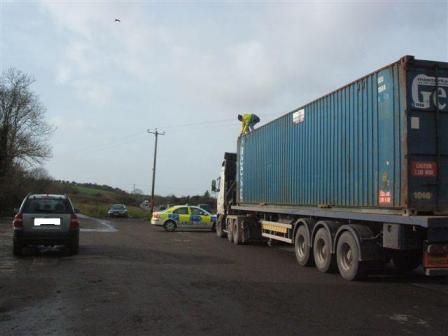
46	220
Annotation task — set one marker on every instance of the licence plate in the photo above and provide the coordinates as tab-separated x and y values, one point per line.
47	221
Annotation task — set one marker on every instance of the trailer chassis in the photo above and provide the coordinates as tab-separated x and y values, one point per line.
351	241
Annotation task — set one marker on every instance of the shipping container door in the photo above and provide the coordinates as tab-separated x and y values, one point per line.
427	85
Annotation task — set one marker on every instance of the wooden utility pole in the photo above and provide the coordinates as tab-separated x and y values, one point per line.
156	134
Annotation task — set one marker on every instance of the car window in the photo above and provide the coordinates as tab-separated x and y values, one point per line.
197	212
118	207
47	205
181	211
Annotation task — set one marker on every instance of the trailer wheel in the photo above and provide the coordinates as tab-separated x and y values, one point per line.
323	258
406	261
230	231
219	231
347	256
236	233
302	247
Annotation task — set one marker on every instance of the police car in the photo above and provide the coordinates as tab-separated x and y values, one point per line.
185	217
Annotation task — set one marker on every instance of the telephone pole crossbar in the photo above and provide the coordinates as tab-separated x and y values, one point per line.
156	134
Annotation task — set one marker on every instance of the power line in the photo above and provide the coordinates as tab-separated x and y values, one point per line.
208	123
113	142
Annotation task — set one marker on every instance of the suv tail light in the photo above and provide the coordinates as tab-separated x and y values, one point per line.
74	222
17	223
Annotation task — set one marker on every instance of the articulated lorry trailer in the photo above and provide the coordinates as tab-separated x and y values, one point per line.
354	179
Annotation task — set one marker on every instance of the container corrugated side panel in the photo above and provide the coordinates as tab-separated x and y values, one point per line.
345	152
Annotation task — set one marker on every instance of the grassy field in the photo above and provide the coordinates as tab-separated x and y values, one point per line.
95	202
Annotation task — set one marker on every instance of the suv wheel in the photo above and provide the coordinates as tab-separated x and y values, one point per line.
73	244
17	247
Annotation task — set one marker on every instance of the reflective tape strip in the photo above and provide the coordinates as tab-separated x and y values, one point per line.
288	226
275	228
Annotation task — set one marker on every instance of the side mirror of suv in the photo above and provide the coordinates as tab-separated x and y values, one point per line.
214	185
77	210
16	210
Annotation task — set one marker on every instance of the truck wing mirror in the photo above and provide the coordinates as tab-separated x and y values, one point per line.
214	185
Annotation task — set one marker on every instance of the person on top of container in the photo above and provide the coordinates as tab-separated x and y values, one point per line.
248	121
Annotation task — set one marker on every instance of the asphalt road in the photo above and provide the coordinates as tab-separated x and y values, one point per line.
131	278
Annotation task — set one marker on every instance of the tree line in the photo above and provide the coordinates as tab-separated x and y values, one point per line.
24	136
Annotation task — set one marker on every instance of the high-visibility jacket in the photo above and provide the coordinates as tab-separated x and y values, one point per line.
248	120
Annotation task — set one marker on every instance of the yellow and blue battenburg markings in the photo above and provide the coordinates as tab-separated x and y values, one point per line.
191	218
172	216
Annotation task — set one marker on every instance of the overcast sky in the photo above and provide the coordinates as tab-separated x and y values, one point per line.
188	68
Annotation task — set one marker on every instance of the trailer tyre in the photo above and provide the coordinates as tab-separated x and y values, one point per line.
323	258
347	256
302	247
230	226
219	231
236	233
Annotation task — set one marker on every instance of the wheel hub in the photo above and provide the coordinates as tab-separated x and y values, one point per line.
346	257
301	246
322	251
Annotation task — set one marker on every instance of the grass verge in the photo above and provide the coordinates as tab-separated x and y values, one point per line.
99	210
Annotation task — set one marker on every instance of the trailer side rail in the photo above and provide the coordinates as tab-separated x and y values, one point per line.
422	221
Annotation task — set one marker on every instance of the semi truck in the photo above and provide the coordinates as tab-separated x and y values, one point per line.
353	180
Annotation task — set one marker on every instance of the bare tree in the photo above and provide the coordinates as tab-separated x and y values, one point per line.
24	133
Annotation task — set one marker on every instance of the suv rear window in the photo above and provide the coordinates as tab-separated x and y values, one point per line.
47	205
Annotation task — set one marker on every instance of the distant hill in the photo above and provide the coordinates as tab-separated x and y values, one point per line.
94	199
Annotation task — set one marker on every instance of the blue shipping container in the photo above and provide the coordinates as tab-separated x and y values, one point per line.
378	142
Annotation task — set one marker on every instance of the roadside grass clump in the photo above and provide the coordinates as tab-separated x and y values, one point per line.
93	210
137	212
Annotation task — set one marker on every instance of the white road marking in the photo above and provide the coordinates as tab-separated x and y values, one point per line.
404	319
108	227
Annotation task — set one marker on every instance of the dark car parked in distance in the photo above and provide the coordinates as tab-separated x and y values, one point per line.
46	220
118	210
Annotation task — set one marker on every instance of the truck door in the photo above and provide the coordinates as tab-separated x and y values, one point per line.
200	219
183	216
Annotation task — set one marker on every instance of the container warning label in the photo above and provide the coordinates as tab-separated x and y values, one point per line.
424	168
385	197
